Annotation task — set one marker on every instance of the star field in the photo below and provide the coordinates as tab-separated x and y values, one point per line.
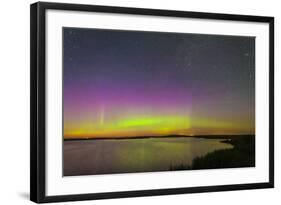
134	83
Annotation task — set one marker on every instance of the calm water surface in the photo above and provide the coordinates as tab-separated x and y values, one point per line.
87	157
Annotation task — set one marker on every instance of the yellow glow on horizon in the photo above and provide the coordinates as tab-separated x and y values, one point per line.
148	126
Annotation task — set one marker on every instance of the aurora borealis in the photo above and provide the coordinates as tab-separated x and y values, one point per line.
134	83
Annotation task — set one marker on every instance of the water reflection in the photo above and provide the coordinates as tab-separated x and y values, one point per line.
88	157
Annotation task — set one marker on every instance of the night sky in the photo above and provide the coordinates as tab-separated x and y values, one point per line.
134	83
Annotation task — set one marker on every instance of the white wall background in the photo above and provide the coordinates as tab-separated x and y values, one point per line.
14	100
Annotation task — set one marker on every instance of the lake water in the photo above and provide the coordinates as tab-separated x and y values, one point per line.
88	157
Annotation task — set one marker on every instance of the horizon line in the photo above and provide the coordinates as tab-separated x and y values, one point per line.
155	136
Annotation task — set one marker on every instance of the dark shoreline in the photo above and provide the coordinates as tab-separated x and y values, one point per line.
241	155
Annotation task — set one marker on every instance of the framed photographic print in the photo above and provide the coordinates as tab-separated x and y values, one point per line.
129	102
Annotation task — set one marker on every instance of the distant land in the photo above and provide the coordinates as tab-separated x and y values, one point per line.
164	136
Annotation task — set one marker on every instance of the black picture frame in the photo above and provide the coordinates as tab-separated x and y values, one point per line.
38	101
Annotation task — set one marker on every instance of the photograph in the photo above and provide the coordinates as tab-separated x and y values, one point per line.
134	102
151	101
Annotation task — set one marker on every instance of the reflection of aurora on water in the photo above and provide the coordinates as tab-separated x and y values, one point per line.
86	157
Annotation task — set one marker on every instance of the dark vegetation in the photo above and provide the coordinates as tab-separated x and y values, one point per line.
241	155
